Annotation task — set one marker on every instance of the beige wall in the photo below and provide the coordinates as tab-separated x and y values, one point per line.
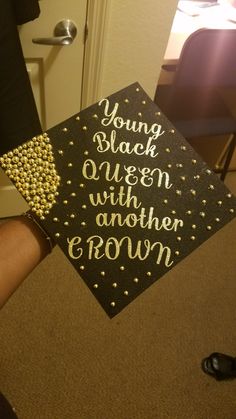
138	32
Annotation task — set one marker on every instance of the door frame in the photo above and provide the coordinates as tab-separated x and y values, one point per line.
98	13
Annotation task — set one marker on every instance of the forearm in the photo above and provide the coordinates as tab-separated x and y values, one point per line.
22	247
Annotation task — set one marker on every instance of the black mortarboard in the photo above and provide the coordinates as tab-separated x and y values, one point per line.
122	193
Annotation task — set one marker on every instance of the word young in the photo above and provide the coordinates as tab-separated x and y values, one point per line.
134	126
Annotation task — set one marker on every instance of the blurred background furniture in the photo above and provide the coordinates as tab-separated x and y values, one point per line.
201	100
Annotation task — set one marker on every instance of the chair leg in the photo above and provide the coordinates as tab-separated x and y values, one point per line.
229	156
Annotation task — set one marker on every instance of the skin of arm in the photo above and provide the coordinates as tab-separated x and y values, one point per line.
22	247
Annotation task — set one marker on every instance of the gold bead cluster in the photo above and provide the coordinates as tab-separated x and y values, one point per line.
32	169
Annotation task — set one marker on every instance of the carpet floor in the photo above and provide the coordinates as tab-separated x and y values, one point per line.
61	357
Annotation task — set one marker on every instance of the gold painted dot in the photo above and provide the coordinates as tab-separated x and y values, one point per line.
83	223
140	114
114	285
126	100
178	238
126	292
211	187
86	153
82	267
65	202
102	273
173	212
217	219
209	228
57	235
197	177
193	237
72	216
202	214
71	143
229	195
204	202
77	118
137	89
55	219
158	113
68	182
64	129
144	102
172	131
61	152
193	192
208	171
149	273
122	268
179	165
167	150
95	116
136	280
194	226
178	192
194	161
231	210
95	286
165	201
84	128
183	147
189	212
177	253
82	185
169	166
219	203
66	223
113	304
70	164
183	178
73	194
84	206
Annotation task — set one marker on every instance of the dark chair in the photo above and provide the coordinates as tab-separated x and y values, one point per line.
196	101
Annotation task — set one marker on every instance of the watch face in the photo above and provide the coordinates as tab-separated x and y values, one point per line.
122	193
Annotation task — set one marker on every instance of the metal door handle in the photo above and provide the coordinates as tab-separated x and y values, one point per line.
65	32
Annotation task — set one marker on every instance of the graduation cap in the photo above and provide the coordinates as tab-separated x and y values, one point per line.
122	193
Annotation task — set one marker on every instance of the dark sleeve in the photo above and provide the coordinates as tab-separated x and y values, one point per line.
25	10
19	119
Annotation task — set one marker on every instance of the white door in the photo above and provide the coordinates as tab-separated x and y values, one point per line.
56	70
56	74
